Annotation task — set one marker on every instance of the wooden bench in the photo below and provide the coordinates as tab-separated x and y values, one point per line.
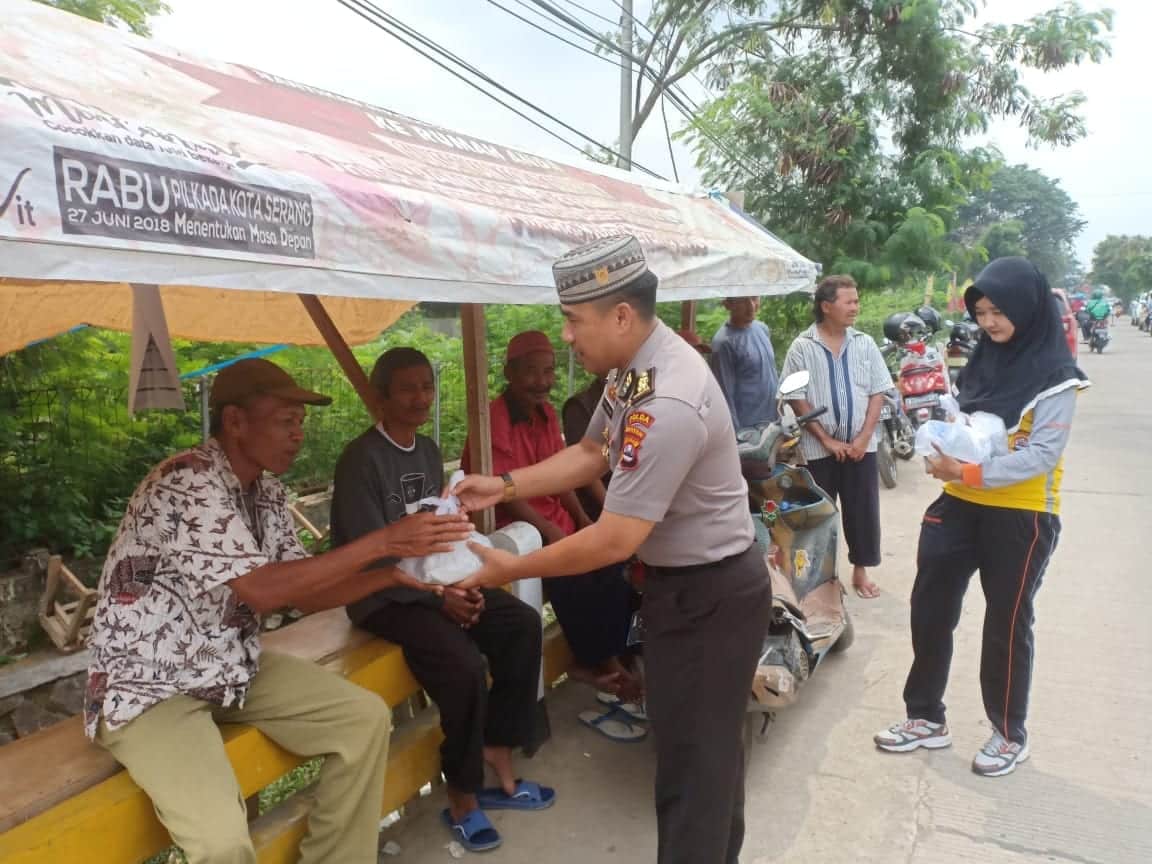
61	797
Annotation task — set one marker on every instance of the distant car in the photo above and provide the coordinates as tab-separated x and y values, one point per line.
1069	319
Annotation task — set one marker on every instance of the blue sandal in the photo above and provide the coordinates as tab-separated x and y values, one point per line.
474	832
528	796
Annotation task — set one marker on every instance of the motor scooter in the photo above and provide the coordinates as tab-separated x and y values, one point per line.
798	527
897	439
1099	337
962	339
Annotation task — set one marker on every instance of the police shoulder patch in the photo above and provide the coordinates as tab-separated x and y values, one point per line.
636	426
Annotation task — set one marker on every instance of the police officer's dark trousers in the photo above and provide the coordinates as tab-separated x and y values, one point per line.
1011	549
446	660
704	630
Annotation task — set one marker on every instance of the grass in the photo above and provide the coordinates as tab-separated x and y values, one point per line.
291	783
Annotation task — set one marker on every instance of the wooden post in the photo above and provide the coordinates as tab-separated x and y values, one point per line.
476	384
342	352
688	316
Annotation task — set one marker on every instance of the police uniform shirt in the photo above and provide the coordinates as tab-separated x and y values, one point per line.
671	446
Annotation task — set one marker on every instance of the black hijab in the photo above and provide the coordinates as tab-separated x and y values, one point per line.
1005	379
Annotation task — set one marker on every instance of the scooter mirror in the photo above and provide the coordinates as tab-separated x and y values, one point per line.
794	383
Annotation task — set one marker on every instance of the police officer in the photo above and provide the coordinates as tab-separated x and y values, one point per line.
678	501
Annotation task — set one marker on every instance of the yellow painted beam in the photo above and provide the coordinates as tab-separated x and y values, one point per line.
557	655
413	761
68	831
117	818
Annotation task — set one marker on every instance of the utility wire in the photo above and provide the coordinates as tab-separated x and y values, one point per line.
555	35
679	100
579	34
390	25
593	12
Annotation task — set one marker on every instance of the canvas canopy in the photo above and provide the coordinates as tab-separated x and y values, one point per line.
123	161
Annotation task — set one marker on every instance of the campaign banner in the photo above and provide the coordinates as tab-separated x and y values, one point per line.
106	197
219	175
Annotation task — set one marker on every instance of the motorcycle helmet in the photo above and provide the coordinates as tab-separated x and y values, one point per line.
930	317
902	327
961	333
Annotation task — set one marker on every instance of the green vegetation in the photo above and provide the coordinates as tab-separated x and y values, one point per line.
70	455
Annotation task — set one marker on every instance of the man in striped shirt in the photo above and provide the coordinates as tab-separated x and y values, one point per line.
848	378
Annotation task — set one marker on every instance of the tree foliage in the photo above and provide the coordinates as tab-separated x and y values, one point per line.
133	14
1023	212
1124	263
842	120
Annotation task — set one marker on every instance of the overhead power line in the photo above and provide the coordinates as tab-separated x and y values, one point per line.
400	31
680	100
554	35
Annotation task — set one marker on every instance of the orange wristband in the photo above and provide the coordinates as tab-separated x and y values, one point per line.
972	475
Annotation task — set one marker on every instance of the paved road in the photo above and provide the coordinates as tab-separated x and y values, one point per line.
820	792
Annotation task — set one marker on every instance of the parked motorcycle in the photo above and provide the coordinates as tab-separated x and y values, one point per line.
897	439
797	526
1100	336
921	373
1084	319
962	338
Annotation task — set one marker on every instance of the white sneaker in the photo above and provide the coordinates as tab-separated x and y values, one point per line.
912	735
999	756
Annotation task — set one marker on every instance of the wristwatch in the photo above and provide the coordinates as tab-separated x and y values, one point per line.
509	486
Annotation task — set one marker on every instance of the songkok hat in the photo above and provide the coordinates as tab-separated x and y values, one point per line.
598	269
528	342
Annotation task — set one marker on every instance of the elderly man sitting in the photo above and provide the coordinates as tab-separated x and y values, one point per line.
380	479
205	546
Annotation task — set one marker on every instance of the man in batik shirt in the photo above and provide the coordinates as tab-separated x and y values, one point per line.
206	546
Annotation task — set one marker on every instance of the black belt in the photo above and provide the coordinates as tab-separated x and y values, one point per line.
690	568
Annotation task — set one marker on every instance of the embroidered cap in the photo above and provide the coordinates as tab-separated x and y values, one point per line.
598	269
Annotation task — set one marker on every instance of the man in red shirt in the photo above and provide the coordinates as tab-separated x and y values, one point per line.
525	430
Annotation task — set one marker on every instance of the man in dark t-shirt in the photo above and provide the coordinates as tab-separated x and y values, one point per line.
380	479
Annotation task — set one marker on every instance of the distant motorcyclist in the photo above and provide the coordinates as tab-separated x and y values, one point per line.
1098	309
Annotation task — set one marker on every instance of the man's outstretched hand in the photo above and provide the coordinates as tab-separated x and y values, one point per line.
424	534
402	579
479	491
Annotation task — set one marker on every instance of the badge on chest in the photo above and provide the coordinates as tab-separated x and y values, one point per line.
622	396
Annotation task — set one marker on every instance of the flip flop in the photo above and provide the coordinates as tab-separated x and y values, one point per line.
632	709
863	592
615	724
474	832
528	796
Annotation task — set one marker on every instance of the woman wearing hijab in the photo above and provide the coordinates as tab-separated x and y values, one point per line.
1000	518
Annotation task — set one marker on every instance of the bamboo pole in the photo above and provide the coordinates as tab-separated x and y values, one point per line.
342	352
688	316
476	384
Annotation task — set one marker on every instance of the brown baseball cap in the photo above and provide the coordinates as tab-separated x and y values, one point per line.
257	377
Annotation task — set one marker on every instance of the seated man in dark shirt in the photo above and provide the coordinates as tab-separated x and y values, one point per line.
380	478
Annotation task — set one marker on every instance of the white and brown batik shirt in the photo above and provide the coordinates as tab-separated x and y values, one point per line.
167	622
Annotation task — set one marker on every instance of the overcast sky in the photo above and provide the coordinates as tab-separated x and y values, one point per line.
322	43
